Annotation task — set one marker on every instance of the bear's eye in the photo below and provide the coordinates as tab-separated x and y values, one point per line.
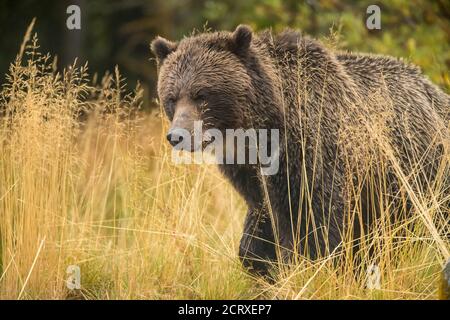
169	107
199	97
170	102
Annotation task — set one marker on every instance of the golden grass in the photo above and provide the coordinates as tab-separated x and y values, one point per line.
103	194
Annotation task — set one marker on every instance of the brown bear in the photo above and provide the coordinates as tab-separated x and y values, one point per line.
334	111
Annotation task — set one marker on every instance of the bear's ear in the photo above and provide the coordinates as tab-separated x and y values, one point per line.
161	48
241	38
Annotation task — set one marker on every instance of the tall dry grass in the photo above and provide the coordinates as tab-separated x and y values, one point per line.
104	195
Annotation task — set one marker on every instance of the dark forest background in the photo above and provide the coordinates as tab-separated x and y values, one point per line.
119	32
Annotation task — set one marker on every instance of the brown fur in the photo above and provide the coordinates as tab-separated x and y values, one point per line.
327	106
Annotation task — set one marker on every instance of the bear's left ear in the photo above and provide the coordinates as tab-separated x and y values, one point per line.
161	48
241	38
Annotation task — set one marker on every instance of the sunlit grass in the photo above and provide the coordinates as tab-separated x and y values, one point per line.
103	194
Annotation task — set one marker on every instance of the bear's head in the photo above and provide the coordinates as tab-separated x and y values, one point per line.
204	78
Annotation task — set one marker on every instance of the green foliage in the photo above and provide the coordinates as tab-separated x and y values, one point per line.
418	30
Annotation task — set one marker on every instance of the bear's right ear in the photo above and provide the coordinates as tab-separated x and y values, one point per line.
161	48
241	38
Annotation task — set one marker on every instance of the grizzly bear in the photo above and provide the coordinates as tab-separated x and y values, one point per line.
340	115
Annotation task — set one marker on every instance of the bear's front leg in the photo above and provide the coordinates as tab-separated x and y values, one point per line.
257	247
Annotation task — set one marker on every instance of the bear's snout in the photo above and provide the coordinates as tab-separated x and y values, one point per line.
182	129
175	136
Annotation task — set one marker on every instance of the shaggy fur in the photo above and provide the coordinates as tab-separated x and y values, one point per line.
332	110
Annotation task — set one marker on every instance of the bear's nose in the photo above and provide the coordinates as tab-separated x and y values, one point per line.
175	136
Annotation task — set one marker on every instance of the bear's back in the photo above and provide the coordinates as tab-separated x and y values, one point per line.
402	81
